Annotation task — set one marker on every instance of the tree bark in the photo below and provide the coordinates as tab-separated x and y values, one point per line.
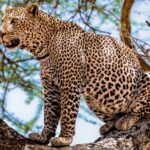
125	32
138	138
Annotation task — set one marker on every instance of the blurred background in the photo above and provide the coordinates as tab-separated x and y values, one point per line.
21	98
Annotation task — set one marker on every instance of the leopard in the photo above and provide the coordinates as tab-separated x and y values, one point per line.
75	63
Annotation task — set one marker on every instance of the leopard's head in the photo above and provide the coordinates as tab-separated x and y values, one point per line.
19	27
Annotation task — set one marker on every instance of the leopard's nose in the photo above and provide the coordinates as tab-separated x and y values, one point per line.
0	37
1	31
2	34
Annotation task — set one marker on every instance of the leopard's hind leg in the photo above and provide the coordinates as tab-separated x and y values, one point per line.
126	122
139	108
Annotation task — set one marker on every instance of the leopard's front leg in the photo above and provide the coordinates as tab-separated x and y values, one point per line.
51	112
69	110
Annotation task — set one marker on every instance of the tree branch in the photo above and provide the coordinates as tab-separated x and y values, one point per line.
138	138
125	23
125	32
10	139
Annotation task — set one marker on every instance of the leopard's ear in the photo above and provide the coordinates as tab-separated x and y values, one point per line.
32	9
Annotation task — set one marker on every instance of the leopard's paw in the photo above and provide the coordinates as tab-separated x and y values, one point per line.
106	128
126	122
61	141
38	138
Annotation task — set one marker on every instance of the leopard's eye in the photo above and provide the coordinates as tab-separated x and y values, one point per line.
14	20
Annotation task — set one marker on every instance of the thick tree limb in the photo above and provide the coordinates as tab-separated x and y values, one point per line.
10	139
125	23
138	138
125	32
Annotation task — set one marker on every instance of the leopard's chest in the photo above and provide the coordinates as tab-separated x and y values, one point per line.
48	71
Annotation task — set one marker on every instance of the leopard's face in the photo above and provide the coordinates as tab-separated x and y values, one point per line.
19	26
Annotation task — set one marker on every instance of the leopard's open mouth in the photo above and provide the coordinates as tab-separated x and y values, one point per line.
12	43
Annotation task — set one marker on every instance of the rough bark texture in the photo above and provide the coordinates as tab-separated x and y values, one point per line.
125	32
138	138
10	139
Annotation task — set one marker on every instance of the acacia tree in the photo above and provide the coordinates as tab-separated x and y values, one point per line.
19	69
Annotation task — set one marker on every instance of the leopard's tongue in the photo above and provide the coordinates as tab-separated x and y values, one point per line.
8	43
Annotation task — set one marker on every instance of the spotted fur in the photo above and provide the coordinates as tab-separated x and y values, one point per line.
74	63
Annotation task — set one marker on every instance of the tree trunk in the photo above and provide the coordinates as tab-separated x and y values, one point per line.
125	32
138	138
